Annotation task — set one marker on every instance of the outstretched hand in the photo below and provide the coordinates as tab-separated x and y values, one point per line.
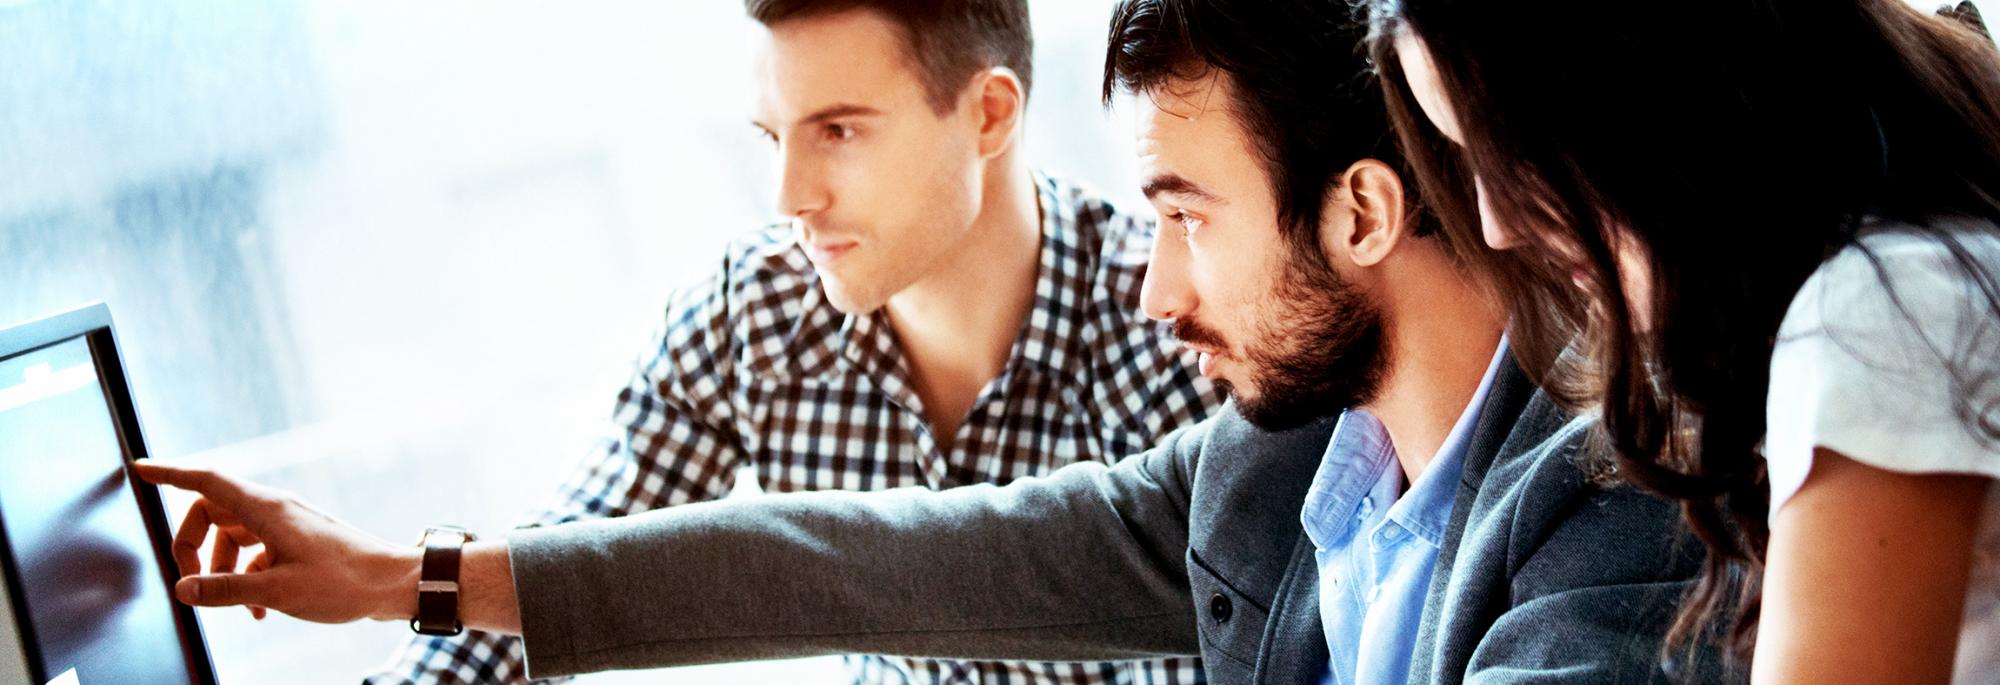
311	566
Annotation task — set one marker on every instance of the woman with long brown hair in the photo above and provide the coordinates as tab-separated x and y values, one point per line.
1761	240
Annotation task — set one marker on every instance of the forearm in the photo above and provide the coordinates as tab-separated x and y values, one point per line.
486	599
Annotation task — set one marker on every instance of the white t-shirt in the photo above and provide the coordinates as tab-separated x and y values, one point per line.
1855	373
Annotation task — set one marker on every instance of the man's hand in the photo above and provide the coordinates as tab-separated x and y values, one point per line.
312	566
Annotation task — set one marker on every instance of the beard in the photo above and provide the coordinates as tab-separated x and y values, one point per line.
1321	350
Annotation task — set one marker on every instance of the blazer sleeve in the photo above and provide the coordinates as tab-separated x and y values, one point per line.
1086	564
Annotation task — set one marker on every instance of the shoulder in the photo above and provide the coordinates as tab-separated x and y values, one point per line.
1541	468
1904	307
1242	471
1110	242
1246	478
752	303
1896	274
1096	258
1558	505
1098	252
1890	355
1236	466
1241	446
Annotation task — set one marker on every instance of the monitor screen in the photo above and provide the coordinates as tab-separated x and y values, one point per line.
84	569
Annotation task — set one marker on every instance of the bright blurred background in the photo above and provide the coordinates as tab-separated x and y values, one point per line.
398	257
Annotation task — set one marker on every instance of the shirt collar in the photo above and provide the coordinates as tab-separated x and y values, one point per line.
1062	277
1355	460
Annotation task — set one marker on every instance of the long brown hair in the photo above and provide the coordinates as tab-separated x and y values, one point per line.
1740	144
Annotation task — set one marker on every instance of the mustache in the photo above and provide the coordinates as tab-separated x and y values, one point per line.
1189	331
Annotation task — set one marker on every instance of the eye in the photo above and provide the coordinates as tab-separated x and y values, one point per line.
839	132
767	135
1188	224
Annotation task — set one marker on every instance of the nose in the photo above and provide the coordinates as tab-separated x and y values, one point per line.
1167	292
802	188
1498	235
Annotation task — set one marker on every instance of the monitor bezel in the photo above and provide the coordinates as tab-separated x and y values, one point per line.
92	323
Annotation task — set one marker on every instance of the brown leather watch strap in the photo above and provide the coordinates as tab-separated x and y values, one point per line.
437	585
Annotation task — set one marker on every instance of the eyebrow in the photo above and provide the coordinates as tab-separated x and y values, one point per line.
1176	185
840	112
824	115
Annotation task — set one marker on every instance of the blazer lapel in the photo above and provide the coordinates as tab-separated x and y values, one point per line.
1294	645
1505	403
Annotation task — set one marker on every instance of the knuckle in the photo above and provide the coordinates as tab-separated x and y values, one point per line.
215	590
275	499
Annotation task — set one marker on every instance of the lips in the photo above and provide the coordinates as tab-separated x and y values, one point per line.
821	246
1207	357
825	251
1207	365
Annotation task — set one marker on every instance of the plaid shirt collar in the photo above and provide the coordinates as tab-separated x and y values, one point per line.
827	342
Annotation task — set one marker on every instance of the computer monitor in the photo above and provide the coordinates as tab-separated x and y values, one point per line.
84	544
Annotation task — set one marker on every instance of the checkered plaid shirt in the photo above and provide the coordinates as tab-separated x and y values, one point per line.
755	369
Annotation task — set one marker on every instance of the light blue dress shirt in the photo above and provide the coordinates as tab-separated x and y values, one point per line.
1377	543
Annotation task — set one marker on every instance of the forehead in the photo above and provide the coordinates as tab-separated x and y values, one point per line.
1189	129
855	57
1422	75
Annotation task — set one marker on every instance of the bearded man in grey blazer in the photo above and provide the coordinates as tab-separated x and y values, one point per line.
1387	499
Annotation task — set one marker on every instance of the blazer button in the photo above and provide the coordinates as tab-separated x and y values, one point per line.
1219	608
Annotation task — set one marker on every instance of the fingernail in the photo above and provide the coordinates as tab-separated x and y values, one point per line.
187	590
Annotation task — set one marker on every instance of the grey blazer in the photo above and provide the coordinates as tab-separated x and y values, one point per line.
1194	547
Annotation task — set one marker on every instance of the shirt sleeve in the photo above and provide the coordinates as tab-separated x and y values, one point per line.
1889	355
672	440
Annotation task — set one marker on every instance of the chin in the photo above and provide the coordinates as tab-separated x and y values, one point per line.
847	300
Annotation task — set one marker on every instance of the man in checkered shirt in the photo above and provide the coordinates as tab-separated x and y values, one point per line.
935	314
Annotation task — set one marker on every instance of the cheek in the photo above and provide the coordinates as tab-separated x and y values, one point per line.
923	200
1251	285
945	168
879	184
1212	275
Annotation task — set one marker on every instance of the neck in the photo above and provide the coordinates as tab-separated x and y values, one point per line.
957	325
1441	342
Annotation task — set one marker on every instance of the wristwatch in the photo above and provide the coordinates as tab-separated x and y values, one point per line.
437	584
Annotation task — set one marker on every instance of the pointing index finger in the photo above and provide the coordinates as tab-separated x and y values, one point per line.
224	490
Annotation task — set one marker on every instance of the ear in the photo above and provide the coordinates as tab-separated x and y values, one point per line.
998	106
1373	193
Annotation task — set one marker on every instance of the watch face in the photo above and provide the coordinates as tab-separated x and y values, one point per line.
452	535
440	631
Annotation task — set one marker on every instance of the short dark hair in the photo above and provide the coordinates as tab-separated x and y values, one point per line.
1303	92
948	40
